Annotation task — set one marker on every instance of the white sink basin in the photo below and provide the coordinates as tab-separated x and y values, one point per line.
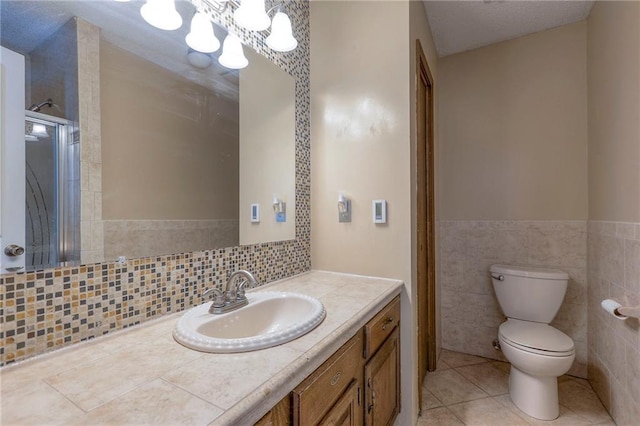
270	318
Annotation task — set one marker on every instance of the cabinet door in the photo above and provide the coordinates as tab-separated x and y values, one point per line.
280	415
382	383
347	411
319	392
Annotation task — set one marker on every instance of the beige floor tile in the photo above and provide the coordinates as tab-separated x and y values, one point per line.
441	365
439	417
505	367
566	418
487	377
457	359
485	412
450	387
429	400
609	422
582	400
60	411
155	403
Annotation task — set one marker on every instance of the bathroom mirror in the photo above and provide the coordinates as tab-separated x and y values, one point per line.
184	147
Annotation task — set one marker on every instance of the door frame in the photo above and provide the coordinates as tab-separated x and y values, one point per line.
12	158
425	209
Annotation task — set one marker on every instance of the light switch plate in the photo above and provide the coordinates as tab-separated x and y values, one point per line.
255	213
345	216
379	210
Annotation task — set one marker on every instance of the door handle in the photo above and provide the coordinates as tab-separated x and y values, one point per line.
13	250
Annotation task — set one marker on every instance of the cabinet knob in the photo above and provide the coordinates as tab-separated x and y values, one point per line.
335	378
387	323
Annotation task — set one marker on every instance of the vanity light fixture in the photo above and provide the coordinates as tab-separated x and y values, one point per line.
232	53
344	209
281	38
198	59
201	37
251	15
161	14
39	131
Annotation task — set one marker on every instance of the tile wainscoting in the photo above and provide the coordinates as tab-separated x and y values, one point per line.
144	238
48	309
470	311
614	345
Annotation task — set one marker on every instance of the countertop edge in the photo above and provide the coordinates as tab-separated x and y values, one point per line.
250	409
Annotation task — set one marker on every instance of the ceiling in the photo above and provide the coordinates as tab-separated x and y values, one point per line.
458	25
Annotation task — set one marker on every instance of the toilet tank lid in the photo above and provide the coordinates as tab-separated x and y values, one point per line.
530	272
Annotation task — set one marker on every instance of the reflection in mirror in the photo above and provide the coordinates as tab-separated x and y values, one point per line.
164	150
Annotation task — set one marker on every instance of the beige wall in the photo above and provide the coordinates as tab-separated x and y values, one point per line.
513	123
159	158
614	111
513	179
614	210
267	149
362	145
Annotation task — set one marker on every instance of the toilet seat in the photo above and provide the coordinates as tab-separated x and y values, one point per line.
537	338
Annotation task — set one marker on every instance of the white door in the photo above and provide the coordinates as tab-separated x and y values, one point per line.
12	161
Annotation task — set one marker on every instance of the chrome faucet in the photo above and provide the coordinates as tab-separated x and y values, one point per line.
233	297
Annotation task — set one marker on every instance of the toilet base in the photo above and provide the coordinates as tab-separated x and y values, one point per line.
535	396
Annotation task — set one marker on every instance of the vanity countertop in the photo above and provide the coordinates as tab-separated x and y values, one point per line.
142	376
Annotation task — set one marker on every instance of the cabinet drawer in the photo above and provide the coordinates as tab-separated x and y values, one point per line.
381	326
347	411
320	391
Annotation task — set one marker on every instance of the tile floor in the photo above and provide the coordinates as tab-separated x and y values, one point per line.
470	390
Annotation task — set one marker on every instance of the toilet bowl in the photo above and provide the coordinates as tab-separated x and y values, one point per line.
538	356
538	353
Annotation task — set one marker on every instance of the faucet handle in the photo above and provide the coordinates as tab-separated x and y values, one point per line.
230	295
218	297
240	292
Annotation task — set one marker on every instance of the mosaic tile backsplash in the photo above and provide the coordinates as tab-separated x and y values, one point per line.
45	310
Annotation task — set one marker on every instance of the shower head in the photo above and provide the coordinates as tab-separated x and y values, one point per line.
38	107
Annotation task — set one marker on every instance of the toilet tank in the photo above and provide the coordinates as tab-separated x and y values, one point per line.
529	294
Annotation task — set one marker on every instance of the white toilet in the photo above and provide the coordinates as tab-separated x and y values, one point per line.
538	353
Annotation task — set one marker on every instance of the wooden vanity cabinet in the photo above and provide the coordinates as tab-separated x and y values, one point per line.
348	410
382	383
280	415
358	385
382	369
328	388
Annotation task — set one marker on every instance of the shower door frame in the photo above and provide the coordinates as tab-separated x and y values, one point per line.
64	138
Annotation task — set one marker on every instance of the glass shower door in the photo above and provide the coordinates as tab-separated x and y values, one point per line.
51	206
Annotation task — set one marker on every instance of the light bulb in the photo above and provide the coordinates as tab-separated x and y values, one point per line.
251	15
161	14
281	38
232	53
39	131
199	59
201	36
